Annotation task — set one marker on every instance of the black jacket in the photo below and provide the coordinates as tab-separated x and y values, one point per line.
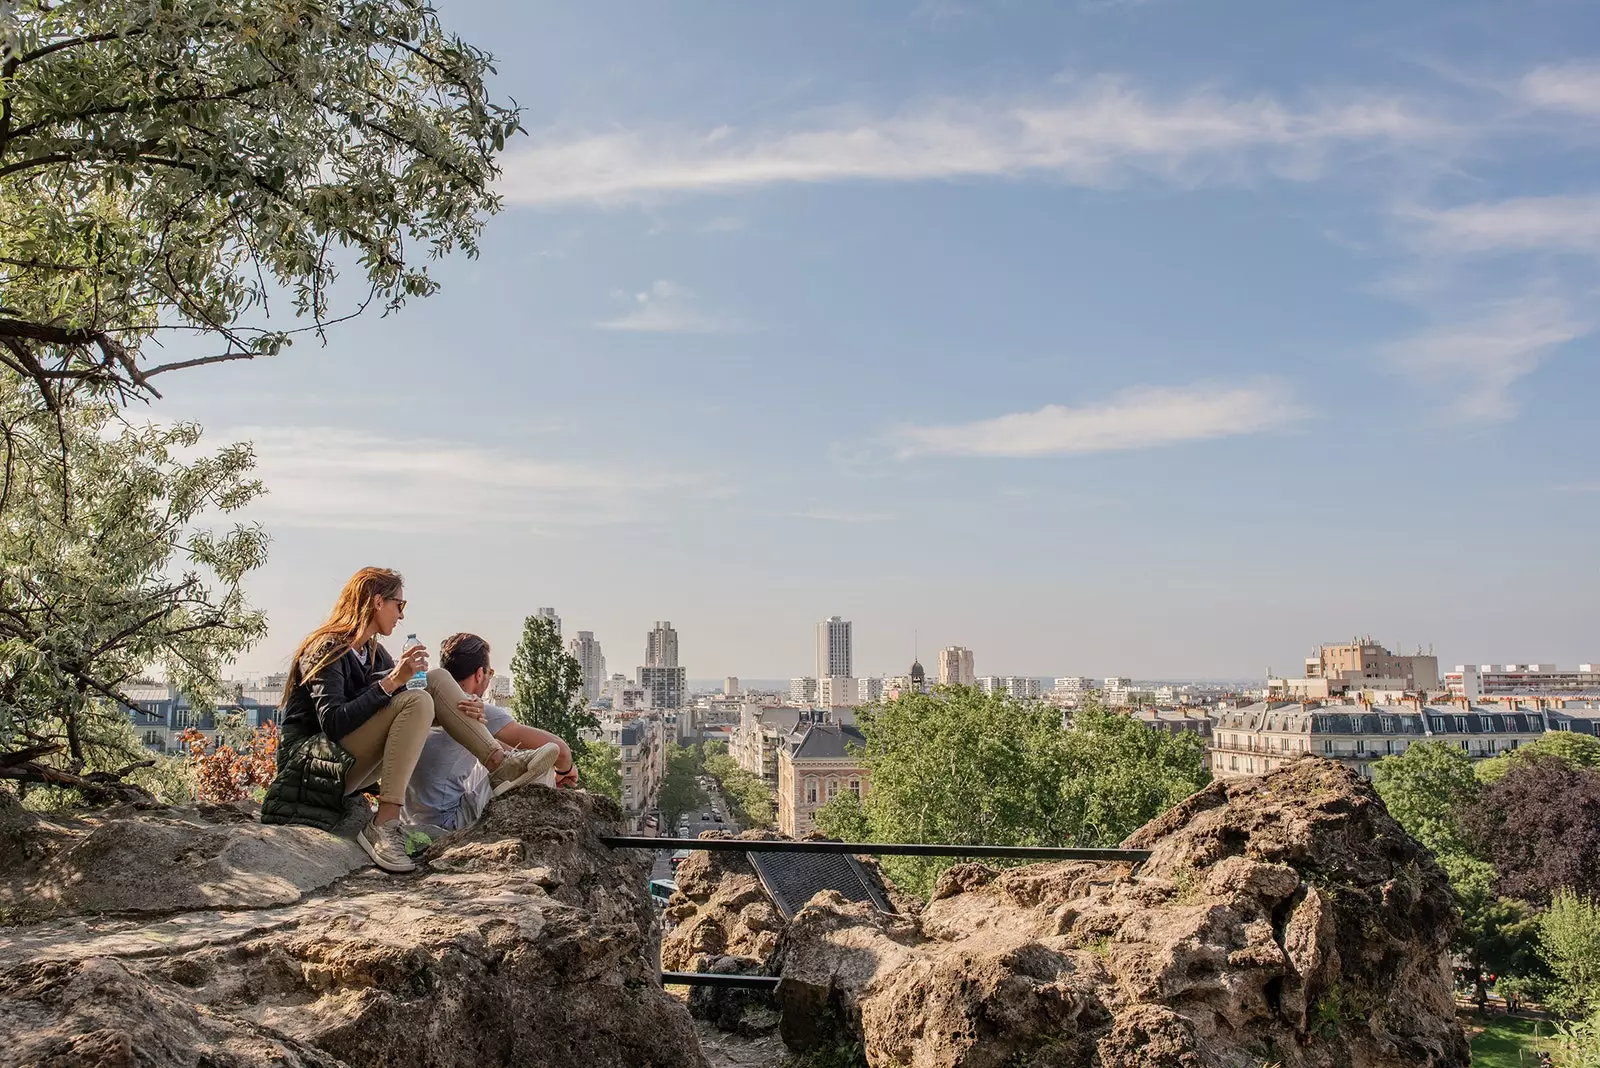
340	697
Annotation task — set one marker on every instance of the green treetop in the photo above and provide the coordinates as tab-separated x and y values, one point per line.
547	684
108	569
169	168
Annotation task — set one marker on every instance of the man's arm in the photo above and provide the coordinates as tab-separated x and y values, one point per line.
522	736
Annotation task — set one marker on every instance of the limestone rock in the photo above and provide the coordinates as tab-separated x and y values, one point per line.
530	943
1283	919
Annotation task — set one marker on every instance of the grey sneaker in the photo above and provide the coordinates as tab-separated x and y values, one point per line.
522	766
386	846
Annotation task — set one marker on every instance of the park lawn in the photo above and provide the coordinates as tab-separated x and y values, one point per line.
1508	1042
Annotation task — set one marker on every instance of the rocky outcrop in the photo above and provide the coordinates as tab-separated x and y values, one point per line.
525	941
1280	920
720	910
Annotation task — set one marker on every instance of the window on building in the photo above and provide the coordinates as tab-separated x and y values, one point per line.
1361	745
1461	724
1464	745
1487	722
1489	745
1327	745
811	791
1436	724
1233	763
833	788
1388	747
1387	723
855	787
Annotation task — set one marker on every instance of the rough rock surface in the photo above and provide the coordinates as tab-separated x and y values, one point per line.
720	910
1284	919
524	941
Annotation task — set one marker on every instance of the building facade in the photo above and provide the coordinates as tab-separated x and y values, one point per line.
837	691
661	646
761	733
815	763
1475	682
1012	685
667	687
586	651
835	652
1260	737
869	691
803	691
956	666
550	614
1366	663
641	747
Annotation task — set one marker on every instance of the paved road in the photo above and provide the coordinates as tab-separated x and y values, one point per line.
697	823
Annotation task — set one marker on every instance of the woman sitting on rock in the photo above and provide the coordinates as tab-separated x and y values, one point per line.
349	721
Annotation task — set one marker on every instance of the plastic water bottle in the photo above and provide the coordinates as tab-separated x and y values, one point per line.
419	681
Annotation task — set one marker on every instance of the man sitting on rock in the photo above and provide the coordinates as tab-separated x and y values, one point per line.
448	789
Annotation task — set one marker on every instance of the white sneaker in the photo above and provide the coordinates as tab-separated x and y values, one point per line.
522	766
386	846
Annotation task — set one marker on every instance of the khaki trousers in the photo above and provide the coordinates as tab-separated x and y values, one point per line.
386	747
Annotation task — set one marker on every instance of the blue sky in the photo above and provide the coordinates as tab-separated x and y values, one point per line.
1158	338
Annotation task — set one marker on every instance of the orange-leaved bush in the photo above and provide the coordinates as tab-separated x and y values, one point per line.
224	773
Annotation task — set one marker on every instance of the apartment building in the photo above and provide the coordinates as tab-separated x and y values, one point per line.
837	691
161	713
1475	682
956	666
1013	685
835	649
803	691
814	765
1360	666
761	732
591	661
1260	737
641	745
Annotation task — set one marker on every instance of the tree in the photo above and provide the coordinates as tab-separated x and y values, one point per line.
747	793
1569	941
171	168
680	786
1499	935
106	570
1540	825
600	769
961	766
1576	750
1424	789
547	684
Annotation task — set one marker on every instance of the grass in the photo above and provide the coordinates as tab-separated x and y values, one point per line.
1508	1041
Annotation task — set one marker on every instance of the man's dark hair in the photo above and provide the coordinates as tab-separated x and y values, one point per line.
463	654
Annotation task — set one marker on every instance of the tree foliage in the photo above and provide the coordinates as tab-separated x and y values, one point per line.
170	168
680	785
1577	750
1540	825
547	685
1569	941
961	766
747	794
107	570
232	768
600	769
1498	934
1425	789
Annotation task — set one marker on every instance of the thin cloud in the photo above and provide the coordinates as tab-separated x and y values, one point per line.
1098	137
332	478
1136	419
667	308
1573	87
1482	357
1553	223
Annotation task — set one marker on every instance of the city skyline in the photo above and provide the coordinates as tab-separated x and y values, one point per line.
1109	336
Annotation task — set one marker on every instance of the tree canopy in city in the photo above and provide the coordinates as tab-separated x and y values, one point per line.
547	685
1540	825
108	568
170	173
962	766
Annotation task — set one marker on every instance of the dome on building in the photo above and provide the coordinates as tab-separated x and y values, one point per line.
917	674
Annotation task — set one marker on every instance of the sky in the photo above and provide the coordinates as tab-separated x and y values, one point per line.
1162	338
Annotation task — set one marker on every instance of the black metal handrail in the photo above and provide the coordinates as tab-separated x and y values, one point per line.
897	849
749	982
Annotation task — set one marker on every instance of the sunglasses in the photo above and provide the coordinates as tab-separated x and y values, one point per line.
401	601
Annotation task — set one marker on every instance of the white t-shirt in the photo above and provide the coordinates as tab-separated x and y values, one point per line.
446	774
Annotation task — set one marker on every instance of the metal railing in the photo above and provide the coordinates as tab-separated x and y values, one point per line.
1133	857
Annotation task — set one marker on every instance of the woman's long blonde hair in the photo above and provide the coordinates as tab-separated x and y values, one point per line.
351	613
